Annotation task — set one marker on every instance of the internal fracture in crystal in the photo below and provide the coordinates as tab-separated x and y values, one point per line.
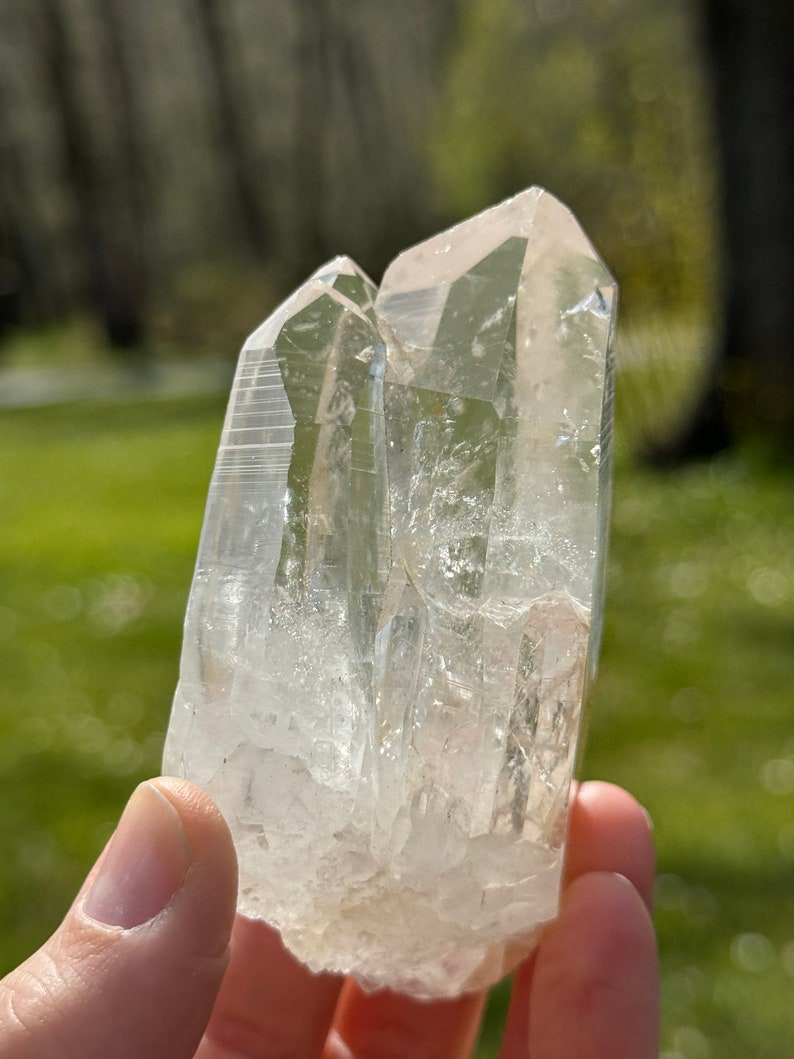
396	605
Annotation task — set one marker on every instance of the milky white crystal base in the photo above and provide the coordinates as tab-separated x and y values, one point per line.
396	604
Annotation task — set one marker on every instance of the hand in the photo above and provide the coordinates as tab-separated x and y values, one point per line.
150	962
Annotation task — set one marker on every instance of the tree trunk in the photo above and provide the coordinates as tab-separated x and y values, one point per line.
245	186
315	41
125	183
26	289
114	296
751	47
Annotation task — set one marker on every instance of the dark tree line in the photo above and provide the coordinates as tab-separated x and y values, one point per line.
106	186
162	134
247	183
750	50
136	139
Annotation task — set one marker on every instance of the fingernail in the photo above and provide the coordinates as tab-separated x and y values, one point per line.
144	864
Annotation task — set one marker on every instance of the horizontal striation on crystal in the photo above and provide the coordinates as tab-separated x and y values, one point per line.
396	606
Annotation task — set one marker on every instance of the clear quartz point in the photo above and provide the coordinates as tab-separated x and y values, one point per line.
397	601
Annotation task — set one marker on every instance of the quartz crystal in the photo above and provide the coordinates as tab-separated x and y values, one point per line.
396	605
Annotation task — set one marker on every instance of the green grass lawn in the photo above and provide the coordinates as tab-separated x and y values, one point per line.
101	510
102	507
693	712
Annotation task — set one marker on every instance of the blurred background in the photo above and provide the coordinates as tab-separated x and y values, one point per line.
168	172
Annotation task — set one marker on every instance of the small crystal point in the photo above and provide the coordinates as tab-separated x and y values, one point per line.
396	606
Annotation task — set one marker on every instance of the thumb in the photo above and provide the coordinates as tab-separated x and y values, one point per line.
134	968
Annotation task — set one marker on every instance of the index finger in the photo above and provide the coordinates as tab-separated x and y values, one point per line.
609	834
269	1003
608	830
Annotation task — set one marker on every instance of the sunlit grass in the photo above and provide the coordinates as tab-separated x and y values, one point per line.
102	507
101	510
693	713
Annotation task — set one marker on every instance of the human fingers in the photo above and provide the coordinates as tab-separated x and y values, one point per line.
608	831
135	966
269	1005
388	1025
595	989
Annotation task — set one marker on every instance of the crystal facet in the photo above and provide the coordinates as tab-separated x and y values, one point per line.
396	605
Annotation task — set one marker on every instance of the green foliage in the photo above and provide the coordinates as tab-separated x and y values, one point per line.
102	507
604	104
72	344
209	308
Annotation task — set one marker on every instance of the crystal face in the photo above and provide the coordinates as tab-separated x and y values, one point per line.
396	604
